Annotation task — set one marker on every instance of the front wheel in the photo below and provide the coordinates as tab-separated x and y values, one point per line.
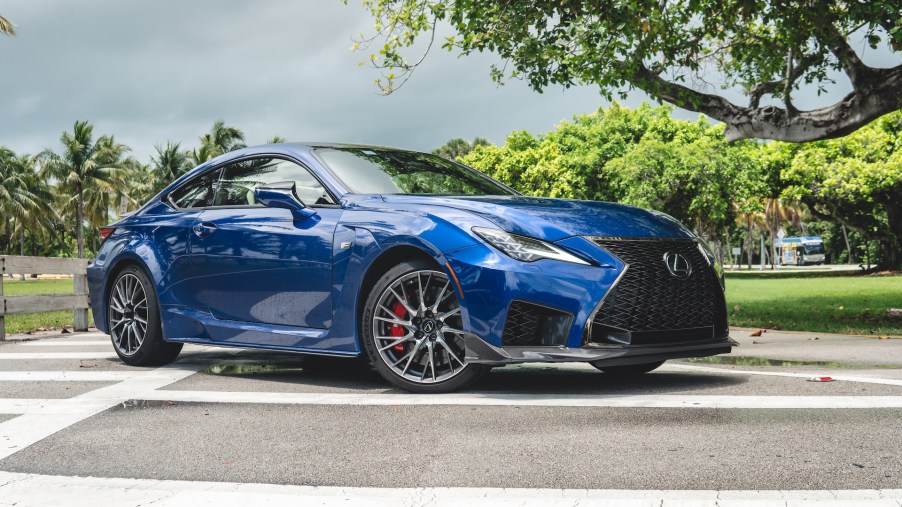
630	369
134	321
412	330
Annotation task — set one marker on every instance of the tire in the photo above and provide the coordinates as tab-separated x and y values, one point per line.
421	340
630	369
133	320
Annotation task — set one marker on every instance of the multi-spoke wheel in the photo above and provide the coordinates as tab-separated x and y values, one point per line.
134	321
412	330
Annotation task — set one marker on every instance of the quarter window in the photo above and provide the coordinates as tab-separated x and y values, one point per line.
196	194
238	181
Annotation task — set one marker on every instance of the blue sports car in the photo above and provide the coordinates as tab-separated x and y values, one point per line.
429	269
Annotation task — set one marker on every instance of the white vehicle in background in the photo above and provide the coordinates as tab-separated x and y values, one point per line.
802	250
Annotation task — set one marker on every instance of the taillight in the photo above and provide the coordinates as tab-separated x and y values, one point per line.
105	232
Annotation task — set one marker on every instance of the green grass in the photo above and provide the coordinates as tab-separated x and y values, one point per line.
33	321
830	304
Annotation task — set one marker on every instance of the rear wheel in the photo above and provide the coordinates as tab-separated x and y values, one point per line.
134	321
412	330
630	369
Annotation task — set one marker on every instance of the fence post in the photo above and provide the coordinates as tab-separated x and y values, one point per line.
80	315
2	300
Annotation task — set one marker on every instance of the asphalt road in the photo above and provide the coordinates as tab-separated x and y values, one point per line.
71	415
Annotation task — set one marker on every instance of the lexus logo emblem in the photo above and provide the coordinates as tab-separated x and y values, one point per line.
677	265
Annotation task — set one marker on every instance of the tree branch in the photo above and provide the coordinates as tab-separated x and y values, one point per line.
858	72
762	89
879	95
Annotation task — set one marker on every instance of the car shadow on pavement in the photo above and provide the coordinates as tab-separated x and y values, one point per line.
559	380
251	370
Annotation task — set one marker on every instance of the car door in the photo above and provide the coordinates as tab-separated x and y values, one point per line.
258	264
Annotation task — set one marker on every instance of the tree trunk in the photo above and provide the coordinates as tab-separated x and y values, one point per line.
80	221
748	244
845	236
22	251
892	247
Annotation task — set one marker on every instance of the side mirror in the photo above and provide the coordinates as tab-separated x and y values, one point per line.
283	195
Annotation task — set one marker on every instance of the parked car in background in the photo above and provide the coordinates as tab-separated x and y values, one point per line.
430	269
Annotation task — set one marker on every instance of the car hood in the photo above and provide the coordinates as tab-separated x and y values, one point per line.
556	219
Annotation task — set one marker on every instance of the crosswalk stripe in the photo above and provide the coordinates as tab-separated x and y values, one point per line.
41	420
21	356
845	378
66	376
66	343
21	405
536	400
33	489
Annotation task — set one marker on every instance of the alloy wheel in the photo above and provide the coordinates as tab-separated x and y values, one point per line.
128	314
418	328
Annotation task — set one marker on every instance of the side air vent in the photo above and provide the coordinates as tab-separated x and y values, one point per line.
530	325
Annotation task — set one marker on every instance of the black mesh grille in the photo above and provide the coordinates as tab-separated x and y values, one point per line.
649	300
533	325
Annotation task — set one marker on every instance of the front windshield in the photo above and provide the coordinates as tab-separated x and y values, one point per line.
814	248
378	171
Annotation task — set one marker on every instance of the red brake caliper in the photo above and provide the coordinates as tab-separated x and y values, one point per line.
397	330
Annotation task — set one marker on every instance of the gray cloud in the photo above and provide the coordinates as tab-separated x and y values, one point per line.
149	72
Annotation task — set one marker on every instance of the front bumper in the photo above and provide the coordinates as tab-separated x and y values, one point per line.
478	351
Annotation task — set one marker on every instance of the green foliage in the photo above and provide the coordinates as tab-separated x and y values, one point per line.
456	149
221	139
86	171
642	157
763	47
856	180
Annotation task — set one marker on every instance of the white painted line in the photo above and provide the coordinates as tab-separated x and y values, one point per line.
67	376
39	422
20	406
531	400
65	342
846	378
30	489
19	356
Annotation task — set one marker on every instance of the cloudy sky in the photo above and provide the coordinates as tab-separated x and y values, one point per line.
149	72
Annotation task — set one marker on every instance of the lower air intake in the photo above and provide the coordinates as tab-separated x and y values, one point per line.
529	325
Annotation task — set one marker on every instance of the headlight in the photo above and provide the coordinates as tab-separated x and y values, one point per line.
523	248
709	254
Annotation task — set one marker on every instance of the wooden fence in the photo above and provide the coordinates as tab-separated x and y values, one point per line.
77	301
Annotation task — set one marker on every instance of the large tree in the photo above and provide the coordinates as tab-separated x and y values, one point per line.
764	48
84	166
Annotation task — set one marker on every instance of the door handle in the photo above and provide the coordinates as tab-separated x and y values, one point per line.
204	229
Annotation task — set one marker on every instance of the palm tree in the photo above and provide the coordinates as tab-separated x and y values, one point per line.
85	167
276	139
169	163
777	212
7	27
24	197
201	154
223	138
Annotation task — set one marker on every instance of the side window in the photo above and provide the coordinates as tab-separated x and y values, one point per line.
238	181
197	193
